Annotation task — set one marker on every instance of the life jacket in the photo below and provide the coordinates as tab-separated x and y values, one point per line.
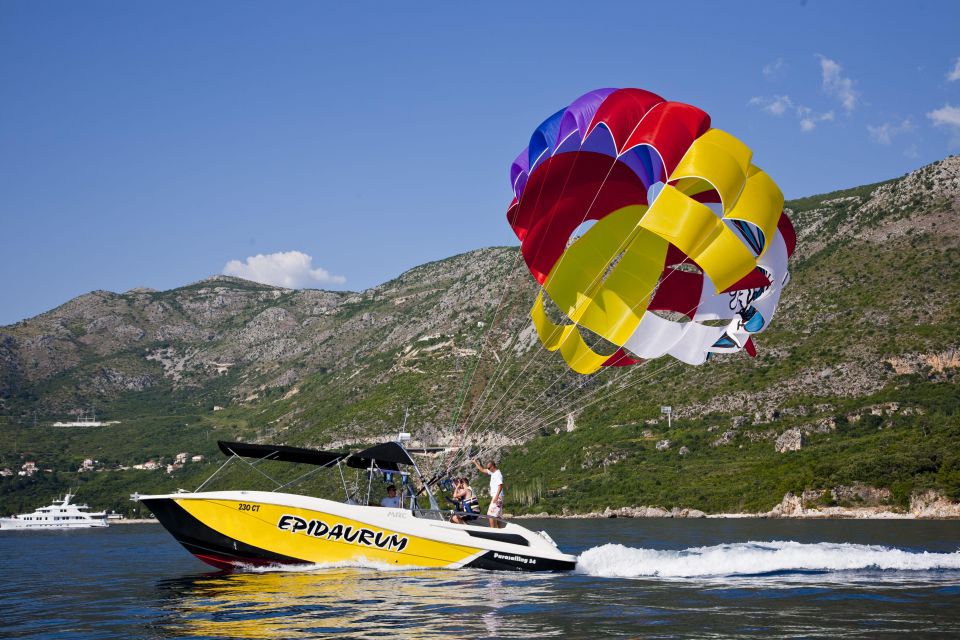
471	505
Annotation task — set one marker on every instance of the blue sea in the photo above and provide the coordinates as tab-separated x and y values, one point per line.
658	578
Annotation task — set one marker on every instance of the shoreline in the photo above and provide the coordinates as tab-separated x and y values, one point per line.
926	505
814	515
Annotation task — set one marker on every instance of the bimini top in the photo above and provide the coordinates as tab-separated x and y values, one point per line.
386	456
281	453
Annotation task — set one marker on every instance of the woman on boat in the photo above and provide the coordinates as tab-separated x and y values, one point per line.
465	501
469	501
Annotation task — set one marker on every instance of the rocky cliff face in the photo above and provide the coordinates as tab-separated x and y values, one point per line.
244	338
875	293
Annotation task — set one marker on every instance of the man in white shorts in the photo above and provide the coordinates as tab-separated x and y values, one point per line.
496	492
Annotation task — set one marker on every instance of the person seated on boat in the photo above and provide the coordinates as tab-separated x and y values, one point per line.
464	501
496	492
457	501
392	500
468	502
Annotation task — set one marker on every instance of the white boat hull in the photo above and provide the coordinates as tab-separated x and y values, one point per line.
62	514
15	523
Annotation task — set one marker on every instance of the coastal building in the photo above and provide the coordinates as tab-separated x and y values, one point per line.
180	458
87	465
28	469
197	458
83	419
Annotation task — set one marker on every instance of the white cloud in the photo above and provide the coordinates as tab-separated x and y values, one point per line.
955	72
809	119
779	105
776	105
886	132
774	69
290	269
947	116
838	85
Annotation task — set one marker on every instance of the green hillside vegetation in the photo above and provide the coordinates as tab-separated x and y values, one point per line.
904	453
870	318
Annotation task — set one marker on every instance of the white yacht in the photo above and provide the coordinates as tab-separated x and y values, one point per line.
62	514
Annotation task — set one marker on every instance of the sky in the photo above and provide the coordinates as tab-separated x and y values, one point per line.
335	145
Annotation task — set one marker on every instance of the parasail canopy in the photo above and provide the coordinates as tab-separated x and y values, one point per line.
650	232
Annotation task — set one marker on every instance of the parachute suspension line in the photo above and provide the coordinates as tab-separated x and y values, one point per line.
563	187
461	433
571	391
531	425
549	414
482	343
493	412
613	392
490	384
716	175
490	415
501	364
481	418
520	424
621	357
586	213
564	255
501	368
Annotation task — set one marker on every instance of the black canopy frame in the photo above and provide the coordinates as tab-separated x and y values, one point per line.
386	457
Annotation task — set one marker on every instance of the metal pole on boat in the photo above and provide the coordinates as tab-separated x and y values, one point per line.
370	479
426	485
344	481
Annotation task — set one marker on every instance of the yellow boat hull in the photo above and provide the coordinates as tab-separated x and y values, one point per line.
227	530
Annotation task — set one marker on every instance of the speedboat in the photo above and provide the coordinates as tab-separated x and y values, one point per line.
62	514
239	528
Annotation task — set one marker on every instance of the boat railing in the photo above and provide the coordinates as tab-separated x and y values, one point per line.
467	517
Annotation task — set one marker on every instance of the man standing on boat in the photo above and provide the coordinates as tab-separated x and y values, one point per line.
496	491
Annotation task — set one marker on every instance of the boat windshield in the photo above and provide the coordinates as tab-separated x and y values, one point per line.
462	517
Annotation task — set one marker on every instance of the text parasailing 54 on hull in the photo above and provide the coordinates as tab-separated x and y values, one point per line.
234	529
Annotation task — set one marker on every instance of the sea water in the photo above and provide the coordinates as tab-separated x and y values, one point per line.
657	578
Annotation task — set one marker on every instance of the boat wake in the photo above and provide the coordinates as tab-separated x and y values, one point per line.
749	559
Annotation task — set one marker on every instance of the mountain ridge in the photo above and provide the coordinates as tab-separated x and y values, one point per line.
870	317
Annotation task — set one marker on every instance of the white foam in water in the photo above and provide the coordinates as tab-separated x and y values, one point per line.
753	558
